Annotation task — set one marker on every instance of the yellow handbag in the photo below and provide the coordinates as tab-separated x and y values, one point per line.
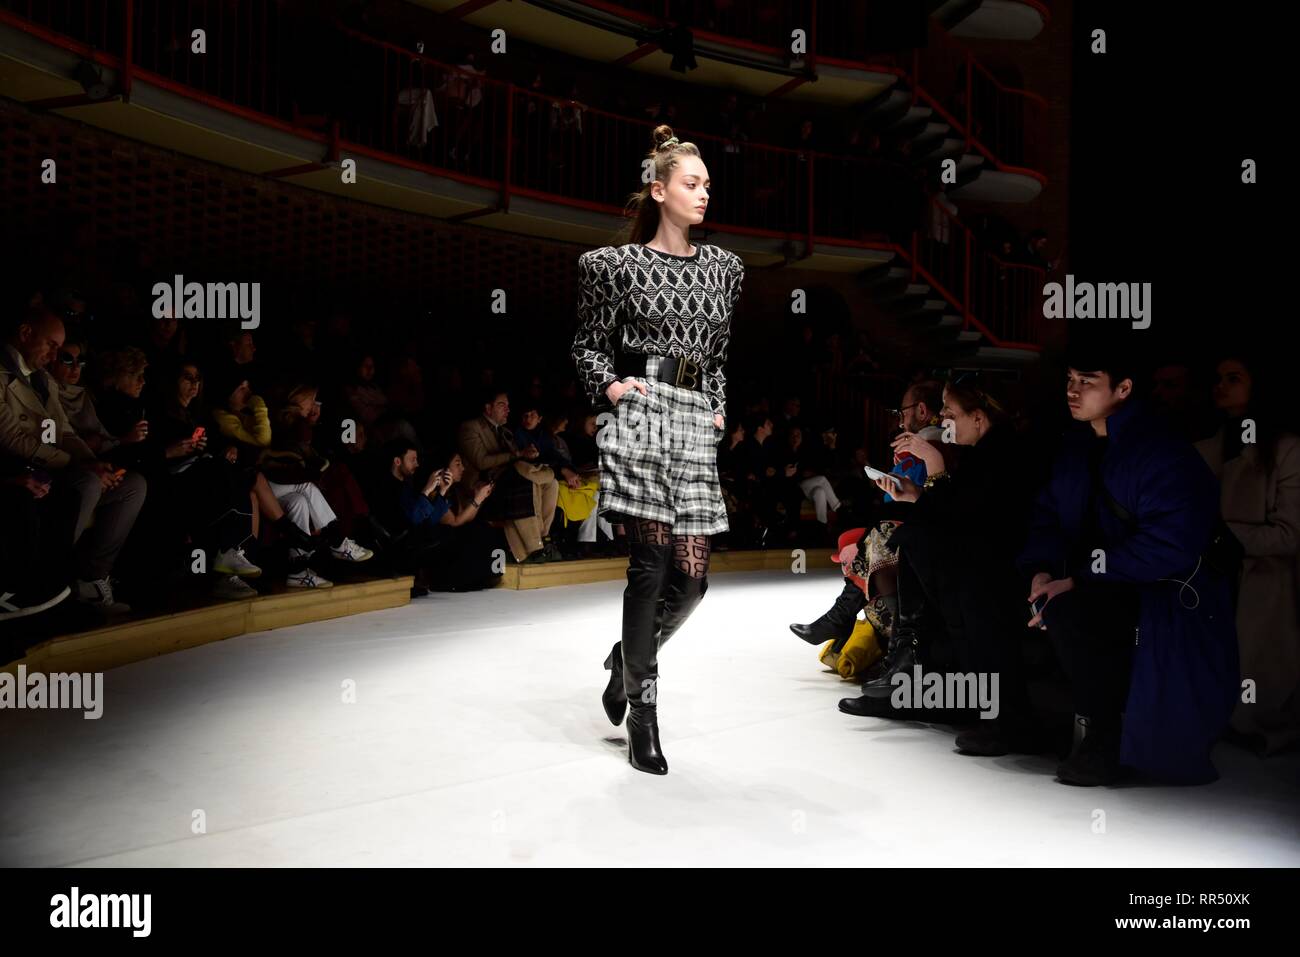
859	653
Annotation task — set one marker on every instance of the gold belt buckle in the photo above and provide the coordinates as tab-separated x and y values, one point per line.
682	363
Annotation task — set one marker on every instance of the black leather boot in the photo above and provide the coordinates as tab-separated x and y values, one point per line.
1094	762
647	574
902	655
838	622
681	597
615	697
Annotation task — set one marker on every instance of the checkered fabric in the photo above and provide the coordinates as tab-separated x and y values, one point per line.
658	457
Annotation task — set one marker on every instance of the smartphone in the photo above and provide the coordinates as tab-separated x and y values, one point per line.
198	434
876	474
119	473
1036	606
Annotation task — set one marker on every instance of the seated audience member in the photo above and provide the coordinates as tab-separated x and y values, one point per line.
1258	467
917	414
36	557
241	351
291	471
243	434
240	416
583	451
811	463
163	342
531	432
1140	621
121	408
368	401
778	494
294	456
203	495
957	542
78	405
35	432
526	493
441	545
578	502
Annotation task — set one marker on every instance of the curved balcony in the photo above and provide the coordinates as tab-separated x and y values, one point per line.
505	157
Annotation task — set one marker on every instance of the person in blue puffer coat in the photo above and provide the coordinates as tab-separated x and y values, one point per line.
1142	622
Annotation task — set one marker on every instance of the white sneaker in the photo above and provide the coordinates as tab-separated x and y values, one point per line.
349	551
28	603
233	561
99	595
233	587
307	579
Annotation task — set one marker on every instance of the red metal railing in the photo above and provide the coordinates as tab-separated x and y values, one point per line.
1003	123
363	96
1000	299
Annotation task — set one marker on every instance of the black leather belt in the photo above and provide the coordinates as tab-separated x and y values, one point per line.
674	370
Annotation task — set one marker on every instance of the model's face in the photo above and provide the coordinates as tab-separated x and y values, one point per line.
968	427
684	199
530	420
1232	388
1090	396
188	385
68	365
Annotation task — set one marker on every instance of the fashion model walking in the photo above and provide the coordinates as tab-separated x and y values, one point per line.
654	322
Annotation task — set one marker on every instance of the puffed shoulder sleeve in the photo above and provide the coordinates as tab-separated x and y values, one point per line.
598	318
715	375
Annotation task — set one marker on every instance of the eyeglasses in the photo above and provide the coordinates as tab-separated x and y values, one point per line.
71	361
898	413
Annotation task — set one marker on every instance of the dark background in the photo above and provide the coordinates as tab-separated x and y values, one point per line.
1162	122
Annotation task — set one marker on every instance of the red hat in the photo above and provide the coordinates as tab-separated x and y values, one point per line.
851	537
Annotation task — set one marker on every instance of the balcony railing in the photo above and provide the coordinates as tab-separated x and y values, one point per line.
361	95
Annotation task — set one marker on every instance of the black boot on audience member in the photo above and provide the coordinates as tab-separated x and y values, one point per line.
838	622
1005	734
1095	759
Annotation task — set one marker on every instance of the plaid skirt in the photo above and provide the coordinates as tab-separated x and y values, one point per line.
659	458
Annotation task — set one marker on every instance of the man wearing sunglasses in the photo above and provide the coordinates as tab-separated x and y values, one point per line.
106	500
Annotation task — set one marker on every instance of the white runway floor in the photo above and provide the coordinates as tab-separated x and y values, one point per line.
477	738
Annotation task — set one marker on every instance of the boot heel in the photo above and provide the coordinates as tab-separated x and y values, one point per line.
614	700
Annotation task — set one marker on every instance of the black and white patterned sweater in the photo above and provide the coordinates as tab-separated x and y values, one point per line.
633	299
